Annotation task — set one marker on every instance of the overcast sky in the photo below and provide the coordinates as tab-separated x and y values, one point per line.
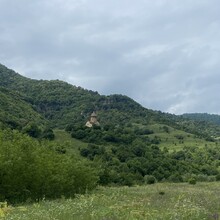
165	54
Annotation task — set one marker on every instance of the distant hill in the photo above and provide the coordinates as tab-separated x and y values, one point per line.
212	118
131	141
62	103
15	112
58	104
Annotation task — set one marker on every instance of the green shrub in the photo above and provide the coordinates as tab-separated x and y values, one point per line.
175	178
212	178
202	178
217	177
149	179
192	181
31	170
162	193
32	130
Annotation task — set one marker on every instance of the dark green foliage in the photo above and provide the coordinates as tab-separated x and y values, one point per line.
30	170
175	178
179	137
126	146
149	179
217	177
32	130
162	193
192	181
61	104
15	112
91	151
166	129
139	159
48	134
215	119
111	134
142	131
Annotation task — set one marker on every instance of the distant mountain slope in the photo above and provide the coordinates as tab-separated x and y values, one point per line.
212	118
61	104
131	142
15	112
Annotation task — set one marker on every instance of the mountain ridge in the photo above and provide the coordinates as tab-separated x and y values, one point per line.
61	103
131	143
214	118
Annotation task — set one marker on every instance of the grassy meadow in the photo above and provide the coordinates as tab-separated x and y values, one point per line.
177	139
167	140
159	201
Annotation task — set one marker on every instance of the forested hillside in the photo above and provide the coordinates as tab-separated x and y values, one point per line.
212	118
15	112
130	145
61	103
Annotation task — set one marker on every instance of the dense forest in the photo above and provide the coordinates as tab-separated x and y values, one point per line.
213	118
130	145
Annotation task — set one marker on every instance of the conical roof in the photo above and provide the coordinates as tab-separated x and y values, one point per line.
93	114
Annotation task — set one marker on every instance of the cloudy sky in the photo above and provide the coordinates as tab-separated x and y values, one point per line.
165	54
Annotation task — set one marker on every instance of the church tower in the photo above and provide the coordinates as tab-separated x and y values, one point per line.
93	120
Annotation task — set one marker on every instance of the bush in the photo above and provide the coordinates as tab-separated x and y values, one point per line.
33	170
32	130
149	179
212	178
217	177
202	178
188	176
175	178
192	181
48	134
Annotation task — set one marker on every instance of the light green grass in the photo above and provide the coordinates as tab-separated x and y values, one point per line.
180	201
168	140
171	142
72	145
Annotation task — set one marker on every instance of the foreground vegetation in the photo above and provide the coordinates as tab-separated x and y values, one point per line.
158	201
31	170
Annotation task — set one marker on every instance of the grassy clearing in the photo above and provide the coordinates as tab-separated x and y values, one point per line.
159	201
72	144
172	141
167	140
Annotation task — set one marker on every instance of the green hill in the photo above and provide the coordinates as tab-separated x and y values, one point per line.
132	142
61	104
15	112
211	118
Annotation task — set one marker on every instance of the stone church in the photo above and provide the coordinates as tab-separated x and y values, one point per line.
92	121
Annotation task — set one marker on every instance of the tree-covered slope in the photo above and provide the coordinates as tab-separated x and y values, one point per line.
61	104
131	143
212	118
15	112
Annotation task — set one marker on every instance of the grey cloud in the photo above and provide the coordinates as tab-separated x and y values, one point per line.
164	54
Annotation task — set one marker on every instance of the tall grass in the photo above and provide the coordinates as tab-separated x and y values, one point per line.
159	201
